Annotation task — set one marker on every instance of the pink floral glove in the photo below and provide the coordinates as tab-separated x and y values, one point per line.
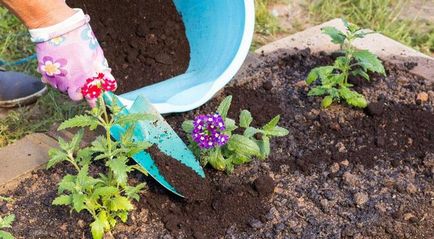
71	60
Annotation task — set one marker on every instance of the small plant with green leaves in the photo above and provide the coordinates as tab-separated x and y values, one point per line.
6	222
334	79
107	196
213	140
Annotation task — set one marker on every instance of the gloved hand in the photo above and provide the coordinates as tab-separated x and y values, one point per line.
71	60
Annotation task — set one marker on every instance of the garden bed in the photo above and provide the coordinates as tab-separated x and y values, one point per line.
341	172
144	41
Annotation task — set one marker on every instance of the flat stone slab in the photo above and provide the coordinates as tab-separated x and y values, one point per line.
386	48
24	156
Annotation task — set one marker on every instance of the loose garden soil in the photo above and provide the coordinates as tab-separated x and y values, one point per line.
144	41
340	173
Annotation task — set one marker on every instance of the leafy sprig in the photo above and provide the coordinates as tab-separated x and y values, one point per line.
6	222
107	197
240	148
333	79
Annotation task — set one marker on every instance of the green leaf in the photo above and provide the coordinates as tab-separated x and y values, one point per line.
78	202
272	124
317	91
79	121
120	203
75	141
238	159
230	125
327	101
338	37
353	98
123	216
56	156
216	159
277	131
188	126
133	192
251	131
362	73
243	145
245	118
312	76
7	221
322	72
123	120
120	169
62	200
224	106
99	226
106	191
6	235
264	145
67	184
369	61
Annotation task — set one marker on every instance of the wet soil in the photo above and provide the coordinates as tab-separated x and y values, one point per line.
144	41
340	173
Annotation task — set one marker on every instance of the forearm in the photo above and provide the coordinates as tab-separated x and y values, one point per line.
39	13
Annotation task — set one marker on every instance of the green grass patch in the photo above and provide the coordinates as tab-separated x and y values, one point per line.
383	16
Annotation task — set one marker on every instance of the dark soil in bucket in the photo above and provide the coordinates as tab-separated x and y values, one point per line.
340	173
144	41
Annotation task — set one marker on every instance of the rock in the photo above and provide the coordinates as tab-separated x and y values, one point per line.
164	58
410	217
279	227
361	198
268	85
422	97
334	168
301	84
351	179
375	109
345	163
64	227
335	126
255	223
264	185
380	207
81	223
324	205
411	188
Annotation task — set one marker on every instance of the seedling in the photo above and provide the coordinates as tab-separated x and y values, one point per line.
213	140
6	222
334	79
107	197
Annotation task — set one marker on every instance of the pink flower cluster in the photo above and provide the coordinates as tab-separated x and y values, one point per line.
95	86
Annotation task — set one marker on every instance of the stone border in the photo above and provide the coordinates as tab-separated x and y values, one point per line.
386	48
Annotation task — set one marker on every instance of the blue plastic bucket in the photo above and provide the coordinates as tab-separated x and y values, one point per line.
220	33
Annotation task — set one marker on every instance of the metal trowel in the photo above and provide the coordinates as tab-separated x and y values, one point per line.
157	132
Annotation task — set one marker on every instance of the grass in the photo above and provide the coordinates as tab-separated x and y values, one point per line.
51	108
383	16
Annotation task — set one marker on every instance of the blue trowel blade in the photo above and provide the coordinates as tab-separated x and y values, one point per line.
159	133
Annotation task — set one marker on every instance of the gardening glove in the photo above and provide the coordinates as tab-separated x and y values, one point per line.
71	60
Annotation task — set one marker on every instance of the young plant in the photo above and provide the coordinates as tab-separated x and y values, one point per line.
334	79
107	196
213	140
6	222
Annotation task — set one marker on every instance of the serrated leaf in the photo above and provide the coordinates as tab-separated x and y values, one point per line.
6	235
123	120
133	192
107	191
353	98
121	204
327	101
337	36
312	76
245	118
56	156
84	156
75	141
98	226
238	159
243	145
67	183
277	131
79	121
317	91
7	221
188	126
78	202
362	73
123	216
62	200
224	106
120	169
273	123
369	61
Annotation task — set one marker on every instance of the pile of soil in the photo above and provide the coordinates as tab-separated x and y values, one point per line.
340	173
144	41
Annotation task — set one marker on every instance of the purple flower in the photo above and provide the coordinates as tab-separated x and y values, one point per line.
208	131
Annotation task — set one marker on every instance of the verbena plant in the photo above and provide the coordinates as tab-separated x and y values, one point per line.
6	222
334	79
107	196
213	140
